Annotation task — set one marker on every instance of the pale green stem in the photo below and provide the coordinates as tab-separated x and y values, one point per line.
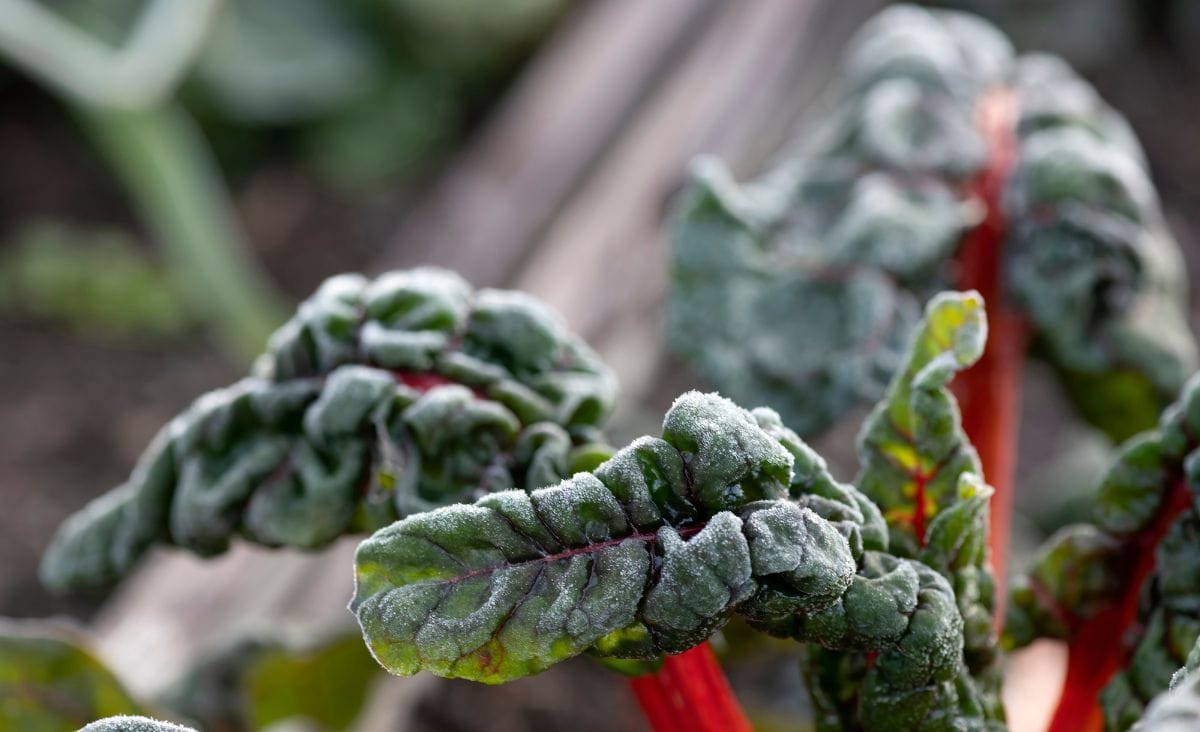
123	96
163	162
141	73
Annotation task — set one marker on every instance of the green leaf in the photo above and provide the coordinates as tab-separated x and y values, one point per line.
1072	578
840	242
649	555
923	473
49	682
912	447
377	400
1090	258
517	582
1138	557
801	289
259	681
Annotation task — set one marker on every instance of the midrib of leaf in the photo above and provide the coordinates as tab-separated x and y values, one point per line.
648	537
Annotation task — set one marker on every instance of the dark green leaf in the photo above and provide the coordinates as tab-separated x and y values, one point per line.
650	554
379	399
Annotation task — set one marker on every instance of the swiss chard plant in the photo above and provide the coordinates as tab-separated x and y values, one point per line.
461	429
948	162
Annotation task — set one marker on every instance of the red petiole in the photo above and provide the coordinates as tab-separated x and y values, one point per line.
990	391
689	693
1098	644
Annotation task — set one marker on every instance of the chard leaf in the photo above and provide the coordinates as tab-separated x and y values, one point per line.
652	552
49	682
1089	257
923	473
801	290
912	447
518	581
841	242
378	399
1124	590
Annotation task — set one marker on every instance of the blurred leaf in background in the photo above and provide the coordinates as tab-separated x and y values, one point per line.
256	682
50	683
97	280
368	91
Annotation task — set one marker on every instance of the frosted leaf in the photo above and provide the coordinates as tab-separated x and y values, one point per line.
801	289
1130	573
651	553
378	399
699	583
647	555
866	219
728	459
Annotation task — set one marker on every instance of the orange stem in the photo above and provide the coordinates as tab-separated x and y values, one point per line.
689	693
990	391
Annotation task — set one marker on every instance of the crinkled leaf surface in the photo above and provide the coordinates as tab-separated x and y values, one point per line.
49	682
1136	564
921	470
1089	256
728	512
378	399
799	290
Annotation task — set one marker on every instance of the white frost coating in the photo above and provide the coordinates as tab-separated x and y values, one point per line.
728	455
580	510
125	723
700	579
476	615
624	474
807	550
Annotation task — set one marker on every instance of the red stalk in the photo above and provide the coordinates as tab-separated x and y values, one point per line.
1100	644
990	391
689	693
